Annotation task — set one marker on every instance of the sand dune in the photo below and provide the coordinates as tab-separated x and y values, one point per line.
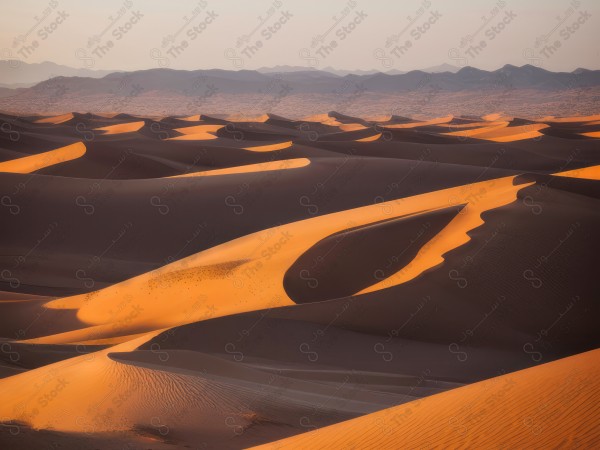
551	405
121	128
226	269
32	163
209	294
269	147
436	121
55	120
370	138
252	168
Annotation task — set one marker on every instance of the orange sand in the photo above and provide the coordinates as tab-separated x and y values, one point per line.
435	121
270	147
55	120
251	168
32	163
122	128
370	138
555	405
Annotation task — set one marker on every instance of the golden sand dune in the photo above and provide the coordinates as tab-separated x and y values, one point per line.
590	173
351	126
370	138
197	133
270	147
436	121
196	129
55	120
122	128
240	118
478	130
555	405
249	271
593	134
510	134
251	168
32	163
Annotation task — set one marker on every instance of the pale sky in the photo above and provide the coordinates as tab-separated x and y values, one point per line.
344	34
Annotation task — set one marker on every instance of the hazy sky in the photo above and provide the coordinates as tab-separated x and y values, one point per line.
344	34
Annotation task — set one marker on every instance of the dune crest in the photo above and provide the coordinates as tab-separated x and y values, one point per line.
370	138
32	163
55	120
283	164
270	147
436	121
121	128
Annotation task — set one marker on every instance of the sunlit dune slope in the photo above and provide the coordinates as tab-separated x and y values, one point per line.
370	138
55	120
501	132
121	128
549	406
269	147
247	273
436	121
32	163
252	168
197	133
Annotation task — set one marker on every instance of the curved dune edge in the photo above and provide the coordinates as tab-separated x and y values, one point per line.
511	134
255	265
194	137
55	120
32	163
197	133
477	131
436	121
370	138
78	385
121	128
494	194
240	118
485	196
270	147
197	129
351	126
269	166
548	406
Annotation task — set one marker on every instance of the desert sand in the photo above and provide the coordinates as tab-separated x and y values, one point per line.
229	282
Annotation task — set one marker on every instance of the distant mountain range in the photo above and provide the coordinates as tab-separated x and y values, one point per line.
17	74
315	81
289	89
